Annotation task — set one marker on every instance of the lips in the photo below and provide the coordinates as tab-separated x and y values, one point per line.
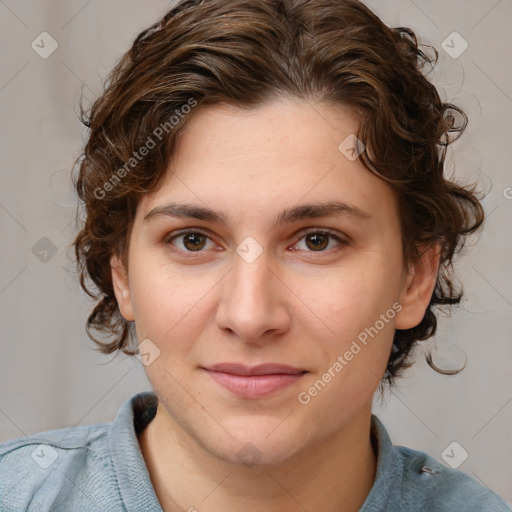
261	369
254	381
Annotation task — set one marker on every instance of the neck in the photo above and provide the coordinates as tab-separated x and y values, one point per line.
335	474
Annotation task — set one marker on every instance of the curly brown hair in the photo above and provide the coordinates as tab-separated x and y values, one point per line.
245	53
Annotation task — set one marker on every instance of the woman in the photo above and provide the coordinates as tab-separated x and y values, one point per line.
266	213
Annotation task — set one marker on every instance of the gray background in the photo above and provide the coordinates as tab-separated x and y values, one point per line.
49	375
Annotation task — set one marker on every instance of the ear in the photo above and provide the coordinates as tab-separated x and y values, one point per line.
418	287
121	288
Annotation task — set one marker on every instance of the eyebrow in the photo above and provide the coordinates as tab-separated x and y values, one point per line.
294	214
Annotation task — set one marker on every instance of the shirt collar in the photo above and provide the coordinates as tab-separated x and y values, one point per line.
135	485
389	473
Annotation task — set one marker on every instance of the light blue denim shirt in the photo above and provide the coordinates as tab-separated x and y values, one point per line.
101	468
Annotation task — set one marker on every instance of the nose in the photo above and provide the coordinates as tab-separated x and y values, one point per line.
253	306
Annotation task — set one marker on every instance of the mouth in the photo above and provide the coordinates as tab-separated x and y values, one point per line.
254	381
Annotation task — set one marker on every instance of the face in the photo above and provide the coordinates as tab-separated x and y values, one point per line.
269	323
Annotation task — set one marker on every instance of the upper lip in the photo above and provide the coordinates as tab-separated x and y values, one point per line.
260	369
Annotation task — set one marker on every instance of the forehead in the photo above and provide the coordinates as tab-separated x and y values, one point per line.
253	160
280	128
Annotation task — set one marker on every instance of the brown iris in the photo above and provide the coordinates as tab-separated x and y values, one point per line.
320	240
194	241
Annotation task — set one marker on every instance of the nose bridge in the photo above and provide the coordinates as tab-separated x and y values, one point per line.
250	281
250	298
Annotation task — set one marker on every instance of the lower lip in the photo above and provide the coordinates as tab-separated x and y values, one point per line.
254	386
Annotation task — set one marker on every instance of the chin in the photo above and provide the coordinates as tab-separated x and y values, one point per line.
256	442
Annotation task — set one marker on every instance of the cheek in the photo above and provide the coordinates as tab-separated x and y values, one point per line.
159	298
354	301
171	306
354	357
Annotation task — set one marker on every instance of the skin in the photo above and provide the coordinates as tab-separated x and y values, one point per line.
295	304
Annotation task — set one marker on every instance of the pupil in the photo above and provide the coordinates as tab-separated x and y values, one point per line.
316	238
197	244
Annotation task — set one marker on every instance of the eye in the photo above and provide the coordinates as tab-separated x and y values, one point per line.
191	241
317	240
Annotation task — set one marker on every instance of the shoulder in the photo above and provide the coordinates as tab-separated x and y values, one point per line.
439	488
45	469
408	480
54	446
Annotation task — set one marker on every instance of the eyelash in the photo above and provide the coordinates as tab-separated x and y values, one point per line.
303	234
